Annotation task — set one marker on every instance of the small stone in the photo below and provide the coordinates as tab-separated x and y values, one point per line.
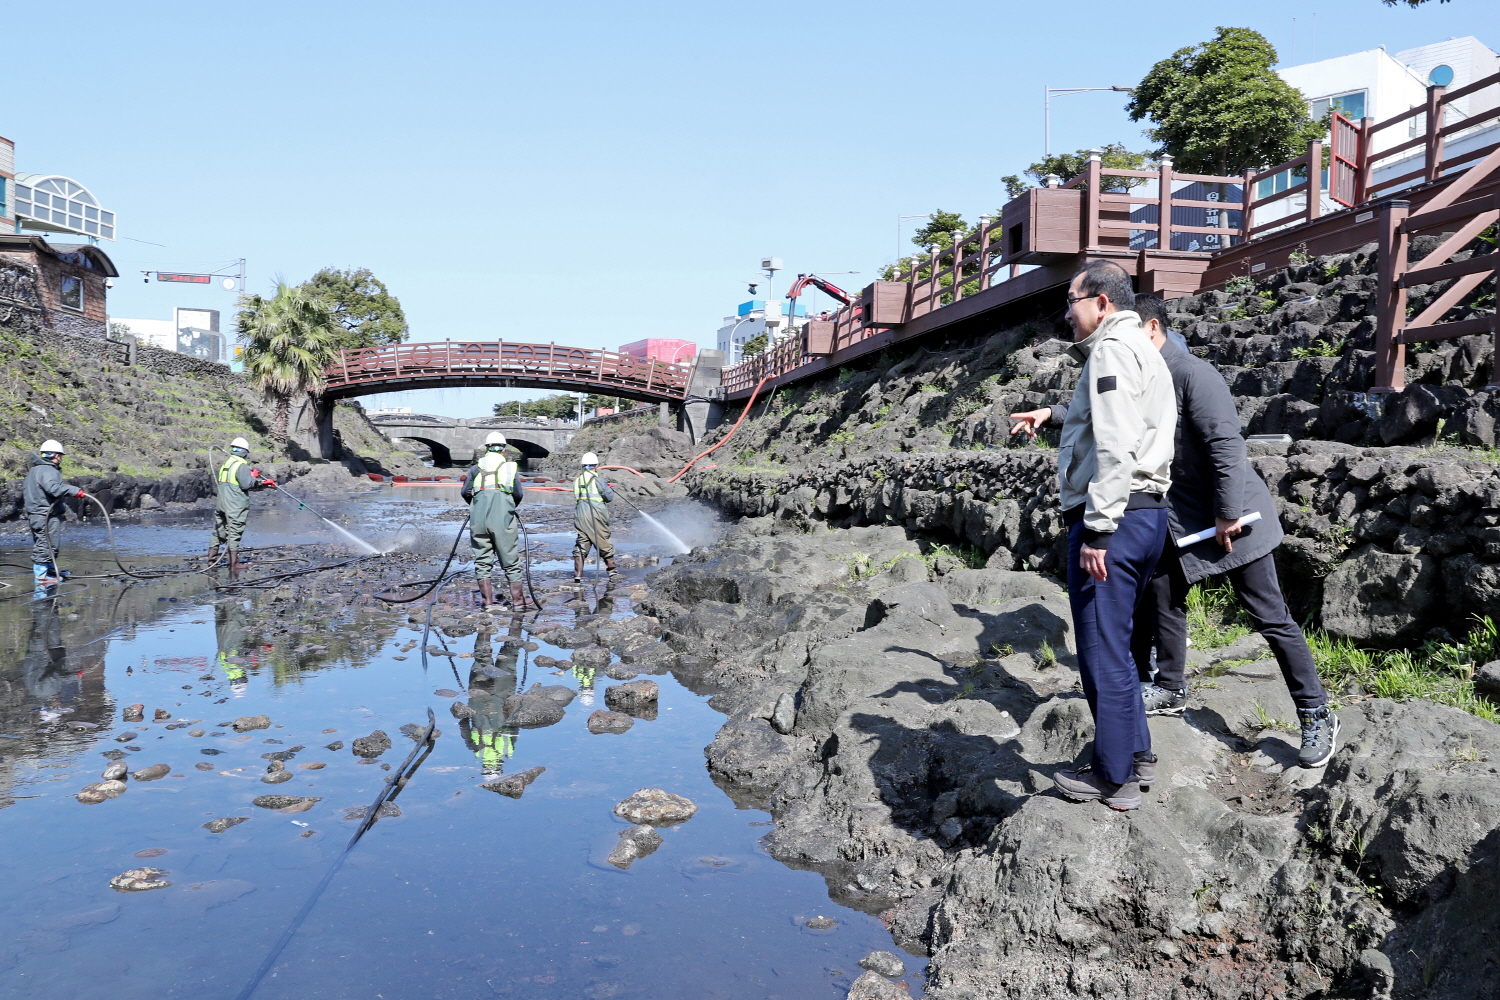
139	880
196	732
109	789
162	715
821	924
609	722
635	843
114	772
210	752
632	697
283	801
327	731
134	713
373	745
125	737
151	773
150	852
277	777
512	785
655	807
312	765
873	986
388	810
335	745
91	798
460	711
203	765
784	715
884	963
245	723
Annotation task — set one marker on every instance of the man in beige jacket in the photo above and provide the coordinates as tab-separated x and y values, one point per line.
1113	471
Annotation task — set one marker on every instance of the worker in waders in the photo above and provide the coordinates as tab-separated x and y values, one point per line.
43	495
492	489
236	482
487	732
591	518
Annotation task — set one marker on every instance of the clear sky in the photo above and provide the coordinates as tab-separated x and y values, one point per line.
590	173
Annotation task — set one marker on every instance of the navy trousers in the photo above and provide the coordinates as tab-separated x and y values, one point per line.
1103	615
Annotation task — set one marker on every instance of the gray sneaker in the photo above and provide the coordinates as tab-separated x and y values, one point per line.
1145	769
1320	735
1083	785
1163	701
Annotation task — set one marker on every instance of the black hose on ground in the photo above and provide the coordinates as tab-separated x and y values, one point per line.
434	583
393	785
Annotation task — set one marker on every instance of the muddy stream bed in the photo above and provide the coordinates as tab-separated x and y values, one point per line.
457	891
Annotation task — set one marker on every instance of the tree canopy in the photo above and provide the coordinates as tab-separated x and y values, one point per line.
1069	165
366	311
1409	3
289	339
1219	108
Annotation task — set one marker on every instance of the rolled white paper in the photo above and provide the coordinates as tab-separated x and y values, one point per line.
1207	533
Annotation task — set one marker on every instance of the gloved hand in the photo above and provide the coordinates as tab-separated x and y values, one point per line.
254	473
268	482
80	494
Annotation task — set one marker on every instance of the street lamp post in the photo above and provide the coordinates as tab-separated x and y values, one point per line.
1047	93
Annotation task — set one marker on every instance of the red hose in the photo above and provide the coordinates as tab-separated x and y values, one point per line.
722	443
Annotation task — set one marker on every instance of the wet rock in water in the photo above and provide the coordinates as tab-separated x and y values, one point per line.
210	752
284	801
609	722
223	823
633	697
885	963
91	798
150	852
245	723
530	647
655	807
327	731
152	773
595	657
140	880
311	765
82	727
446	693
197	732
125	737
277	777
109	789
874	986
635	843
373	745
113	754
278	755
532	710
512	785
544	661
115	771
821	923
204	765
134	713
388	810
335	745
162	715
415	733
461	711
621	672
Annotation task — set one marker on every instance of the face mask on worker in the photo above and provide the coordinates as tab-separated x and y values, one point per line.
590	468
241	452
496	448
52	456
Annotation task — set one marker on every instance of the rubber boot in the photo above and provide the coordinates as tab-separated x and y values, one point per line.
614	574
486	593
234	564
43	574
517	596
577	569
213	553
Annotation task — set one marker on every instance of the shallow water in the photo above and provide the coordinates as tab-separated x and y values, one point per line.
466	893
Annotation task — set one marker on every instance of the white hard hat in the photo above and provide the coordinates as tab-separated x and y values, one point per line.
240	443
494	437
589	458
51	445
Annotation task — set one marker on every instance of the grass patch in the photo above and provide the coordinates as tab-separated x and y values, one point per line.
1440	672
966	554
1215	619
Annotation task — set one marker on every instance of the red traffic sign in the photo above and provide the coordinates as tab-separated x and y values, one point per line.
189	279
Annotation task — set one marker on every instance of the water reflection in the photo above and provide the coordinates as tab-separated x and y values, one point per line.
492	680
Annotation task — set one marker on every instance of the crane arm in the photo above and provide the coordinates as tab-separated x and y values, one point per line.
827	287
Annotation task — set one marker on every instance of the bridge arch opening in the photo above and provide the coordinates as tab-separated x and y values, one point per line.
441	456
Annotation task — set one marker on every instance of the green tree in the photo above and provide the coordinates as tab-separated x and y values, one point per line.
1113	156
755	345
560	406
1219	108
1409	3
289	339
368	314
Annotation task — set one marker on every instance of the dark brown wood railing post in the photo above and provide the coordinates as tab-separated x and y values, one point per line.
1314	179
1164	206
1390	353
1363	167
986	224
1091	201
1434	145
344	363
1247	204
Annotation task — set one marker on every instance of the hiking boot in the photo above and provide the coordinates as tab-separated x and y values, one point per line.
1163	701
1145	769
1320	735
1084	785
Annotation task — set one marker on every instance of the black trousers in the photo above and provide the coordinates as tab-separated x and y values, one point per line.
1161	623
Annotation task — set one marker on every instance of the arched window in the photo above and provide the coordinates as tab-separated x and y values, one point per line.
61	205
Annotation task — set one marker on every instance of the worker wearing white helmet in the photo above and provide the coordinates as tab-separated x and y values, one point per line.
236	481
492	488
591	518
43	495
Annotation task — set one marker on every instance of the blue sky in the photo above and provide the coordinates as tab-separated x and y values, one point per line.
587	173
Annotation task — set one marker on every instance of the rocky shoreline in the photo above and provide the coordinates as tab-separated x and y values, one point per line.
902	731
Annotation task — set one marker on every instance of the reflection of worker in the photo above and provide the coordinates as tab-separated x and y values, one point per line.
236	481
43	494
585	677
229	630
44	668
493	490
490	683
591	518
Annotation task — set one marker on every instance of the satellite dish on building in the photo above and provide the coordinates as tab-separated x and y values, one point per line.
1440	76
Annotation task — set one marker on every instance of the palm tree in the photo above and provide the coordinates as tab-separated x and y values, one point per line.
289	339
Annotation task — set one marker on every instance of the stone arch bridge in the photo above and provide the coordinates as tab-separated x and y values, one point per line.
456	442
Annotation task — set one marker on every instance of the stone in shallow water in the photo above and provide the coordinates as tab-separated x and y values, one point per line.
134	713
91	798
139	880
388	810
115	771
885	963
204	765
335	745
162	715
277	777
609	722
283	801
152	773
512	785
655	807
373	745
874	986
109	789
245	723
635	843
632	697
125	737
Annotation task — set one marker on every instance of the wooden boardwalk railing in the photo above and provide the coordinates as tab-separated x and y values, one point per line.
472	362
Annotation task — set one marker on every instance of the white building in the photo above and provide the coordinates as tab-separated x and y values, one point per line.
752	319
190	331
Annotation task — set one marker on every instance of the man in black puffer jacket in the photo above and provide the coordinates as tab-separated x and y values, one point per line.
43	495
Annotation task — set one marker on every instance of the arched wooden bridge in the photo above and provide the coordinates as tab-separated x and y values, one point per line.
503	363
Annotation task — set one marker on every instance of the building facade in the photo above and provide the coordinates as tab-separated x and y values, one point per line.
73	278
752	319
667	349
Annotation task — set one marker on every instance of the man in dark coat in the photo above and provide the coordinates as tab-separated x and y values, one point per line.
1214	486
43	493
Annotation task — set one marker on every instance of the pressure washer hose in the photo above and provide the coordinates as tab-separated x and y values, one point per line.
743	414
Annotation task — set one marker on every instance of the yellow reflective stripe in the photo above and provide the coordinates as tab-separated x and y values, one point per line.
230	467
491	477
586	487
